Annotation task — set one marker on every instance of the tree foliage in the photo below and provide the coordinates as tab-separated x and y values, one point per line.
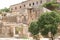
48	22
5	10
51	5
34	28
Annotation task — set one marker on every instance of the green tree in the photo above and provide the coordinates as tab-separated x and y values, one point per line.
48	22
51	5
34	30
5	10
0	12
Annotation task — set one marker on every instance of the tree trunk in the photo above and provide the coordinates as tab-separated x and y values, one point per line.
52	37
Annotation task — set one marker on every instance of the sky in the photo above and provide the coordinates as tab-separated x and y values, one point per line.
7	3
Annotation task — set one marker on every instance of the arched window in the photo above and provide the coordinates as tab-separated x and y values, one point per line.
20	6
37	2
24	20
24	5
29	4
15	7
33	3
40	1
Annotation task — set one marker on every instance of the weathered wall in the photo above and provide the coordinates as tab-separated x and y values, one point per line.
26	4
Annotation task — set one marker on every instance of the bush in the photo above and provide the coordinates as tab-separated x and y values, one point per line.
51	5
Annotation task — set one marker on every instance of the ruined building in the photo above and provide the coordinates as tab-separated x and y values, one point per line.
22	14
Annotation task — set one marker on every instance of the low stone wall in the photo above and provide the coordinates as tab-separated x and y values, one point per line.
6	32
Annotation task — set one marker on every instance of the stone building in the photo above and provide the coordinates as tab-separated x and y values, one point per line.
22	14
17	22
29	9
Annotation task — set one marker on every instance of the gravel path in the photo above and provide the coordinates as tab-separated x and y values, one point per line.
13	39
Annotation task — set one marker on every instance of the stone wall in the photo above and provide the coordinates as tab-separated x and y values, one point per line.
5	31
11	19
26	4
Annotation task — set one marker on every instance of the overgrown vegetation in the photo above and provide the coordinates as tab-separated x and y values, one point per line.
5	10
51	5
47	22
34	30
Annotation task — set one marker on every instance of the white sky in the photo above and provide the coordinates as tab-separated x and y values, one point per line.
7	3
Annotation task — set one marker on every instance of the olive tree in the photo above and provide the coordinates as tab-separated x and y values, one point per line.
48	22
34	30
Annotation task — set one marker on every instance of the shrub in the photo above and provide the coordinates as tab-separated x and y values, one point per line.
51	5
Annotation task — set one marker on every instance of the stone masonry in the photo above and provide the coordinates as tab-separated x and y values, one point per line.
22	14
